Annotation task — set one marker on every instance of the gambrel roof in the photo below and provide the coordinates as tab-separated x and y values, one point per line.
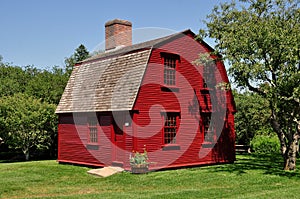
109	81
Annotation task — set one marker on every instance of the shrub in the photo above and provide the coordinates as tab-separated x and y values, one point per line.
263	144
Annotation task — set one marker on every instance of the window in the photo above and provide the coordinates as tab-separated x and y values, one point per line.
171	127
208	128
204	84
170	63
93	130
209	75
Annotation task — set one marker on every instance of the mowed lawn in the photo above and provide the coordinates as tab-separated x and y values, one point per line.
248	177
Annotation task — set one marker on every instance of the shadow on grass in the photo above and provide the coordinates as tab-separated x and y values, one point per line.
268	164
12	157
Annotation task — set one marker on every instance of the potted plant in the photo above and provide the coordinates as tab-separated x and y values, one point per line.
139	162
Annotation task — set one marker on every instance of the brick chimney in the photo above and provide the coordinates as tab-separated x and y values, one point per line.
118	33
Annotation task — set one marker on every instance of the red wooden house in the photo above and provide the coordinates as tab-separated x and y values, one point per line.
149	96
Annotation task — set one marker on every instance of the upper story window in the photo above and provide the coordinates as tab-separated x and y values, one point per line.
170	65
209	75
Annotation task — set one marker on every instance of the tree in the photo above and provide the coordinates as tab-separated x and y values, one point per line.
252	117
80	54
27	123
260	40
42	84
47	85
13	79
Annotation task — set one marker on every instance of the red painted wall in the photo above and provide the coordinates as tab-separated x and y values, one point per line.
145	123
73	144
186	98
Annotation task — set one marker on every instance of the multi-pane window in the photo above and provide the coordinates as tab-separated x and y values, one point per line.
170	70
204	84
207	101
171	127
93	130
209	75
208	127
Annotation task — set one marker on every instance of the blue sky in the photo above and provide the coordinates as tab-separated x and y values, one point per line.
43	33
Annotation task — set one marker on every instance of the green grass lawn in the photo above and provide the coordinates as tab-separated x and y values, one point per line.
248	177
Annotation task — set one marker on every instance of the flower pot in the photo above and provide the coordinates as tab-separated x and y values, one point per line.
138	169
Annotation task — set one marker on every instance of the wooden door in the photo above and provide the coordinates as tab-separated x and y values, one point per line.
119	138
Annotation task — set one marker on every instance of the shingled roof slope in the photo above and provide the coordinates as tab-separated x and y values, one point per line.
105	85
147	44
109	81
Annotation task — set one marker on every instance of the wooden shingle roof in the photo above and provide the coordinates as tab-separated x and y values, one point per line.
105	85
148	44
109	81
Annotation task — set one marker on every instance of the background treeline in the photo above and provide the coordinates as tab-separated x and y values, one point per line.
28	99
252	123
29	96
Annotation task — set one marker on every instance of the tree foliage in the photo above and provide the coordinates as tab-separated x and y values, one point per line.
28	99
80	54
47	85
27	123
42	84
260	40
13	79
252	117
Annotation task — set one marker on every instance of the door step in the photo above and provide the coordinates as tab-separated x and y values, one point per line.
106	171
117	164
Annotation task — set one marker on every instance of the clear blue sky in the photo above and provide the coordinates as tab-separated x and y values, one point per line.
43	33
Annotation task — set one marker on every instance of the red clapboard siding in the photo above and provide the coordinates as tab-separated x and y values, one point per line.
143	129
72	148
73	141
189	81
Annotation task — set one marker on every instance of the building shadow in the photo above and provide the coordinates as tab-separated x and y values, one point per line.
268	164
